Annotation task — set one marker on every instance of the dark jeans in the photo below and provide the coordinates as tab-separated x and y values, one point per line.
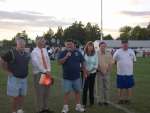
82	78
89	85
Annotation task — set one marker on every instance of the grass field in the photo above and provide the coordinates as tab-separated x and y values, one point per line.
141	99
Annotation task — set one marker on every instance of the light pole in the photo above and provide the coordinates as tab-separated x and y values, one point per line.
101	20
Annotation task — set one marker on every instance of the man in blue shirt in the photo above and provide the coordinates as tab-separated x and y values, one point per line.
72	61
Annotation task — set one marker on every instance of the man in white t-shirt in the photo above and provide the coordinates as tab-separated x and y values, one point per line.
125	80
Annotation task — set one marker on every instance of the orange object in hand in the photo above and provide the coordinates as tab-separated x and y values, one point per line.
46	80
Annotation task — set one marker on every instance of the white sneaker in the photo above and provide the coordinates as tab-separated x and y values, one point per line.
65	109
20	111
79	108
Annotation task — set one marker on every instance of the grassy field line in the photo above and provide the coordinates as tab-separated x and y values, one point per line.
121	107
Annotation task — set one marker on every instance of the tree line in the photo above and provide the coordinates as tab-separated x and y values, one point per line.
83	33
135	33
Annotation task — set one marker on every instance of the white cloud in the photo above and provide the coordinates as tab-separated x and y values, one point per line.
32	19
136	13
38	15
34	22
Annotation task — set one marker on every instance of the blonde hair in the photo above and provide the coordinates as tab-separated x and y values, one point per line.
39	39
90	43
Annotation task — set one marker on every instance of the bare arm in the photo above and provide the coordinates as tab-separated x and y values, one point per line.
85	72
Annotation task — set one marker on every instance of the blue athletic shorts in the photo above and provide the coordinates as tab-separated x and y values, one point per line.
125	81
72	85
16	86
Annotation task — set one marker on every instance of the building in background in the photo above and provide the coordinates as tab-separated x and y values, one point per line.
141	48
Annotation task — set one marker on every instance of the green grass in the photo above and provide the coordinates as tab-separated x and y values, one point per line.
141	103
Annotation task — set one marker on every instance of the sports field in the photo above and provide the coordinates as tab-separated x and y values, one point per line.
140	104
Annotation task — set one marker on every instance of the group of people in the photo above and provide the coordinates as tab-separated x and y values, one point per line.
53	52
16	63
89	67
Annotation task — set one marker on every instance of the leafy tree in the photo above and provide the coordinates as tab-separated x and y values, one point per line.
49	35
148	30
76	32
125	32
139	33
59	34
148	27
136	33
108	37
92	32
7	43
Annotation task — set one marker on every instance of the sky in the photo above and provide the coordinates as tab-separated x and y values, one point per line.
36	16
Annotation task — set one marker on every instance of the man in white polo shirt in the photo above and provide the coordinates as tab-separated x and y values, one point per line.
125	80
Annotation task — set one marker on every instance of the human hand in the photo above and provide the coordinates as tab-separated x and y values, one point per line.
68	54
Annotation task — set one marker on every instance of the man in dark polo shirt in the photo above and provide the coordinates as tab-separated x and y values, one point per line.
17	61
71	60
